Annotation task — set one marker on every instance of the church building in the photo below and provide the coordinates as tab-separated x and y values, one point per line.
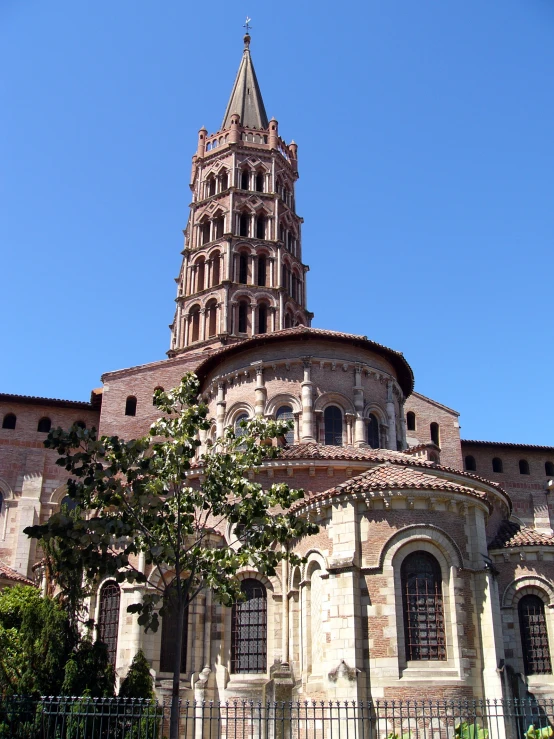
432	574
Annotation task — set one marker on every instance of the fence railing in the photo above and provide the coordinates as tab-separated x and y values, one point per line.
116	718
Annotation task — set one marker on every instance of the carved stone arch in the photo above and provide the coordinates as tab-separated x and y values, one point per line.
528	585
242	247
7	491
273	583
432	536
376	410
242	295
315	560
57	495
213	251
235	410
246	207
277	401
199	259
263	297
333	398
295	577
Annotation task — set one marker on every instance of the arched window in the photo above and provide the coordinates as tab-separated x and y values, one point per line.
205	232
239	431
497	465
169	629
224	180
423	608
9	421
244	224
68	504
108	618
262	318
470	463
549	469
211	186
332	417
211	310
260	227
410	420
159	387
260	182
243	317
285	414
195	323
288	320
534	636
200	274
373	431
249	629
219	226
216	279
523	467
131	406
435	434
243	268
245	180
44	425
262	270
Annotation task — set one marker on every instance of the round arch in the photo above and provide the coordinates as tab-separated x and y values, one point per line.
333	398
277	401
528	585
434	540
236	410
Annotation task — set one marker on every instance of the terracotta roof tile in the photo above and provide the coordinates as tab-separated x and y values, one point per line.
7	573
37	400
512	534
507	444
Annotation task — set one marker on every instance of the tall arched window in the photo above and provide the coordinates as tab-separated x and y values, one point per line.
262	318
373	431
435	433
216	279
249	629
211	186
239	431
108	617
423	608
262	270
288	320
244	224
9	421
131	406
200	274
523	467
332	417
534	636
410	420
169	629
211	310
219	226
195	323
285	414
243	317
205	232
497	465
224	180
471	465
260	227
549	469
243	268
260	182
245	180
68	504
44	425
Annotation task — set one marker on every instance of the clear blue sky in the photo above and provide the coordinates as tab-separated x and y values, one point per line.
425	134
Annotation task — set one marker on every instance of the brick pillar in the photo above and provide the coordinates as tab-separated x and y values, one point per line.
220	412
260	391
391	414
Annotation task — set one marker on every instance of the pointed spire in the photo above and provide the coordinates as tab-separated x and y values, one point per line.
246	98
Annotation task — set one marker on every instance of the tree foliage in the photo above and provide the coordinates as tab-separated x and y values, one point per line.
141	499
138	683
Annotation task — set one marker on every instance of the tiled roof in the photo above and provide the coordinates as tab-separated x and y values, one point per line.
36	400
512	534
391	477
507	444
7	573
303	333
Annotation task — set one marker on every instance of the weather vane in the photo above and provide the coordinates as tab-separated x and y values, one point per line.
247	24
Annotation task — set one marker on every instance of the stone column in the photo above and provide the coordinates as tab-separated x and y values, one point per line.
349	417
260	391
202	324
285	603
391	414
271	263
186	331
234	318
220	412
281	310
225	329
403	426
253	319
319	427
307	402
296	427
359	427
229	271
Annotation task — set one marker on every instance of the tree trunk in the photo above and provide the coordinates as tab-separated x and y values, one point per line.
174	715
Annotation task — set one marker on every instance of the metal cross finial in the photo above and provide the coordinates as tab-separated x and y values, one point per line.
247	24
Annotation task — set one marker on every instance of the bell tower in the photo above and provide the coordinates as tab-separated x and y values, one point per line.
242	272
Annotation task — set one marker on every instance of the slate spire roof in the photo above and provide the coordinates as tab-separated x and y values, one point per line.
246	98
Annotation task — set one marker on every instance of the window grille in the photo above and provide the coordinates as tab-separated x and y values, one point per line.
333	425
108	620
249	629
285	414
534	636
169	630
423	607
373	432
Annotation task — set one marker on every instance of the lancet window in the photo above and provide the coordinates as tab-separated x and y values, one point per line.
249	629
108	618
423	607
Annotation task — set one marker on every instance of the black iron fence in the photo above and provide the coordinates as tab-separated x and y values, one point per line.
116	718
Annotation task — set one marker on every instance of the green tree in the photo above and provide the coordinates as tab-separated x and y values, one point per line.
138	683
140	499
36	640
89	672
